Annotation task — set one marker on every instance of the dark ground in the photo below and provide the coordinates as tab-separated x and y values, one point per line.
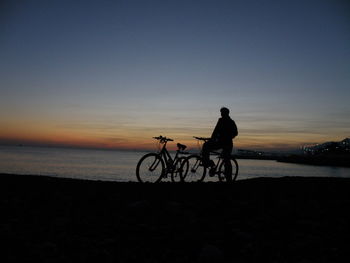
291	219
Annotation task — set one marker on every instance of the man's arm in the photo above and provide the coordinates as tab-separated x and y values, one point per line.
234	129
216	131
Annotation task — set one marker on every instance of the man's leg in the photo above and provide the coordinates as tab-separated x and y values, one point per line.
226	152
207	147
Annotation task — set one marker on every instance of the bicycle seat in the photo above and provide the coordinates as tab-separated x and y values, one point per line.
181	147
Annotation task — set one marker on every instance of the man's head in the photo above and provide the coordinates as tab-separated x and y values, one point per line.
224	112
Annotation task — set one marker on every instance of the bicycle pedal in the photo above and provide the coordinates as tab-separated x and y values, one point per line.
212	172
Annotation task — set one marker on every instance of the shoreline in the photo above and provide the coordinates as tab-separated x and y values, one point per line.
10	176
287	219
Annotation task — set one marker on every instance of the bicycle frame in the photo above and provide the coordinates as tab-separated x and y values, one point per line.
221	159
161	159
169	161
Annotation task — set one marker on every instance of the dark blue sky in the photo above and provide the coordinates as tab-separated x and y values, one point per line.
119	70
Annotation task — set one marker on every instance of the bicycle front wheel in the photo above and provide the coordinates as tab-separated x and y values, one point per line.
196	171
150	168
228	170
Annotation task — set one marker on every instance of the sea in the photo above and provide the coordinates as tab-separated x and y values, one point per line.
117	165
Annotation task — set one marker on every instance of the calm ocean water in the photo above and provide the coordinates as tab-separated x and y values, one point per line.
120	165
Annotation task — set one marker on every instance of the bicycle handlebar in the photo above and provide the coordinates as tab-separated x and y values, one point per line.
163	139
201	138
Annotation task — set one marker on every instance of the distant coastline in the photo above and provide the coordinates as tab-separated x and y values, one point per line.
322	160
325	154
256	157
338	161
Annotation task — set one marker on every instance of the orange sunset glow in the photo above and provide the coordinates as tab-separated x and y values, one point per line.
138	137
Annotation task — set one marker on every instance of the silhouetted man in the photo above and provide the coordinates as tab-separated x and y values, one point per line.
225	130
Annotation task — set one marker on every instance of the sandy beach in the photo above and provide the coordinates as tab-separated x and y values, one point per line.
290	219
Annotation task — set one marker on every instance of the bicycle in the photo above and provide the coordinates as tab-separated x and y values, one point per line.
153	167
226	170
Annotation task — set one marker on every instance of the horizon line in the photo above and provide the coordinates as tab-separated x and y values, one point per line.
171	149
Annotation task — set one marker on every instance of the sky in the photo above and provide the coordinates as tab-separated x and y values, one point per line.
113	74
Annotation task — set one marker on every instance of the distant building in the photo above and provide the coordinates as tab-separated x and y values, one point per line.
346	143
328	147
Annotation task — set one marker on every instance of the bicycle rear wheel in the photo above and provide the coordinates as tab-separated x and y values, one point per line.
196	171
180	168
228	171
150	168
